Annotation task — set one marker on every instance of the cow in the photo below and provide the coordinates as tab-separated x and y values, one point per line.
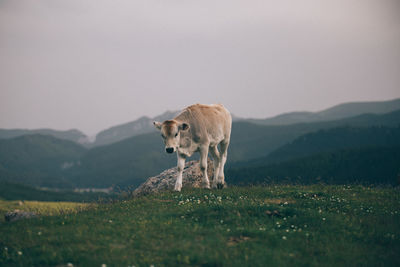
199	128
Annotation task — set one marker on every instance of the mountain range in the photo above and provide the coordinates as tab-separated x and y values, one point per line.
46	161
144	125
71	135
337	112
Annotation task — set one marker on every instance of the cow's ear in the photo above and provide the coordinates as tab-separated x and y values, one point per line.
184	127
157	124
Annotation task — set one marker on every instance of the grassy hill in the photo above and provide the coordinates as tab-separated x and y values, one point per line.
367	165
129	162
250	226
38	160
329	140
251	141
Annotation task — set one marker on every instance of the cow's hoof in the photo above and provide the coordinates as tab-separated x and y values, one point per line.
220	185
214	185
206	186
178	188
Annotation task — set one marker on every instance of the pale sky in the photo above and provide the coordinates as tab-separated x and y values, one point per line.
92	64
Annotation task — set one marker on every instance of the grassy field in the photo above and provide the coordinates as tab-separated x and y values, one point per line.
41	207
249	226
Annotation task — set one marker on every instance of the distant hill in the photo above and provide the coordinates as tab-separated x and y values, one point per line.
140	126
328	140
251	141
38	160
126	163
367	165
334	113
72	135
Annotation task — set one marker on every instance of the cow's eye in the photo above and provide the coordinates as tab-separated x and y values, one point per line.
163	136
176	134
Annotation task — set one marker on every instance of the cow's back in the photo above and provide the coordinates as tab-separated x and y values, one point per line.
207	122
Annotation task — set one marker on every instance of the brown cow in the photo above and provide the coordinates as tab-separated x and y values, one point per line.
199	128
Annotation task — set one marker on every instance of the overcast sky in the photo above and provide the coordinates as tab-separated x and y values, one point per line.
92	64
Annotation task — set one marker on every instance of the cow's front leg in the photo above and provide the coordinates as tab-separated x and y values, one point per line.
203	165
181	166
216	161
224	153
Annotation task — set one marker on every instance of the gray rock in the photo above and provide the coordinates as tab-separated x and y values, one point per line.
16	215
191	177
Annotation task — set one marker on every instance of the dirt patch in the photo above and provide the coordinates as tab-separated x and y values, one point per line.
234	240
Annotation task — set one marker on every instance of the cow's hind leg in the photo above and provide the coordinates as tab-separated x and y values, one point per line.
216	160
181	166
224	153
203	165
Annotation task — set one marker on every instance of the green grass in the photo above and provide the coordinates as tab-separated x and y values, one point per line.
250	226
14	191
41	208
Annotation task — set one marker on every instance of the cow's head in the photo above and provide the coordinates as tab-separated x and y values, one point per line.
170	132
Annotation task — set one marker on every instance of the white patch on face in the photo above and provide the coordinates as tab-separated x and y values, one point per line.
170	134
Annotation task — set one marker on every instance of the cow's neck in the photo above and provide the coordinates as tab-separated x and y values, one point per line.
186	145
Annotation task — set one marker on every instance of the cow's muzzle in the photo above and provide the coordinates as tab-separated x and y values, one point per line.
169	150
